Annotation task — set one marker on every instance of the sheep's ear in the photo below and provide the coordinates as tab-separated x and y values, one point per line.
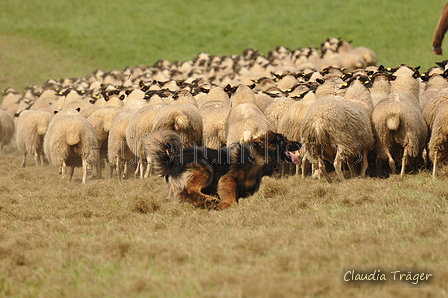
445	74
392	78
252	86
345	85
55	112
416	74
347	76
381	68
122	97
320	81
416	68
78	109
227	88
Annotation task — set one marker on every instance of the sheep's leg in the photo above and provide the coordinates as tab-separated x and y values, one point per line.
71	170
338	166
425	157
148	167
36	158
118	167
364	163
63	170
126	170
99	168
351	167
303	165
111	170
323	170
391	162
24	160
404	161
435	165
84	170
378	164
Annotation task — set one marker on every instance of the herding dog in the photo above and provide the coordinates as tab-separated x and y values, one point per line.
194	174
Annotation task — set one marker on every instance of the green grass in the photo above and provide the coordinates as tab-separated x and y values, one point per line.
55	39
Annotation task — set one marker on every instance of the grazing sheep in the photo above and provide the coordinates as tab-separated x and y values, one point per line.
184	119
6	129
246	122
69	143
431	108
139	126
337	129
400	129
381	86
101	120
291	120
118	151
243	94
275	111
434	83
438	143
214	117
31	129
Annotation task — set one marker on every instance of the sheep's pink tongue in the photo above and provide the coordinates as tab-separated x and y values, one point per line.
294	158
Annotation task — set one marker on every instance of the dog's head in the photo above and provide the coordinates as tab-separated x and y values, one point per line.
278	147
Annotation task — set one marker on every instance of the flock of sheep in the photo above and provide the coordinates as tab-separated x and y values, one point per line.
344	109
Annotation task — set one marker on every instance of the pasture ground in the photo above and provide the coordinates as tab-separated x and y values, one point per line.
294	238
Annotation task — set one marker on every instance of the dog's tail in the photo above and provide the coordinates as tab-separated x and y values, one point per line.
163	146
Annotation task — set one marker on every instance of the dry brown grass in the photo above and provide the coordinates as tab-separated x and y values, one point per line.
294	238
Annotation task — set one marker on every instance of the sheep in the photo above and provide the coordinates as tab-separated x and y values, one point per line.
291	120
214	117
139	126
118	151
381	86
31	129
6	129
275	111
398	125
437	146
101	120
69	143
246	122
243	94
434	83
340	131
431	107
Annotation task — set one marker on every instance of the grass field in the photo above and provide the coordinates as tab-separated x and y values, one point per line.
55	39
294	238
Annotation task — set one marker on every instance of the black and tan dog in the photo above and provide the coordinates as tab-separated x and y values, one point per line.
194	173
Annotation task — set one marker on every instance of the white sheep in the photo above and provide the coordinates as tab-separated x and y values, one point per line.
338	130
398	124
184	119
101	120
31	129
70	142
139	126
438	143
214	118
6	129
246	122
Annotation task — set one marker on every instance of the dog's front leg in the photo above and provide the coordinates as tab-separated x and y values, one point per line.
227	191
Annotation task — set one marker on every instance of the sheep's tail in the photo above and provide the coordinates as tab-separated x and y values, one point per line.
181	122
72	138
164	147
393	121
